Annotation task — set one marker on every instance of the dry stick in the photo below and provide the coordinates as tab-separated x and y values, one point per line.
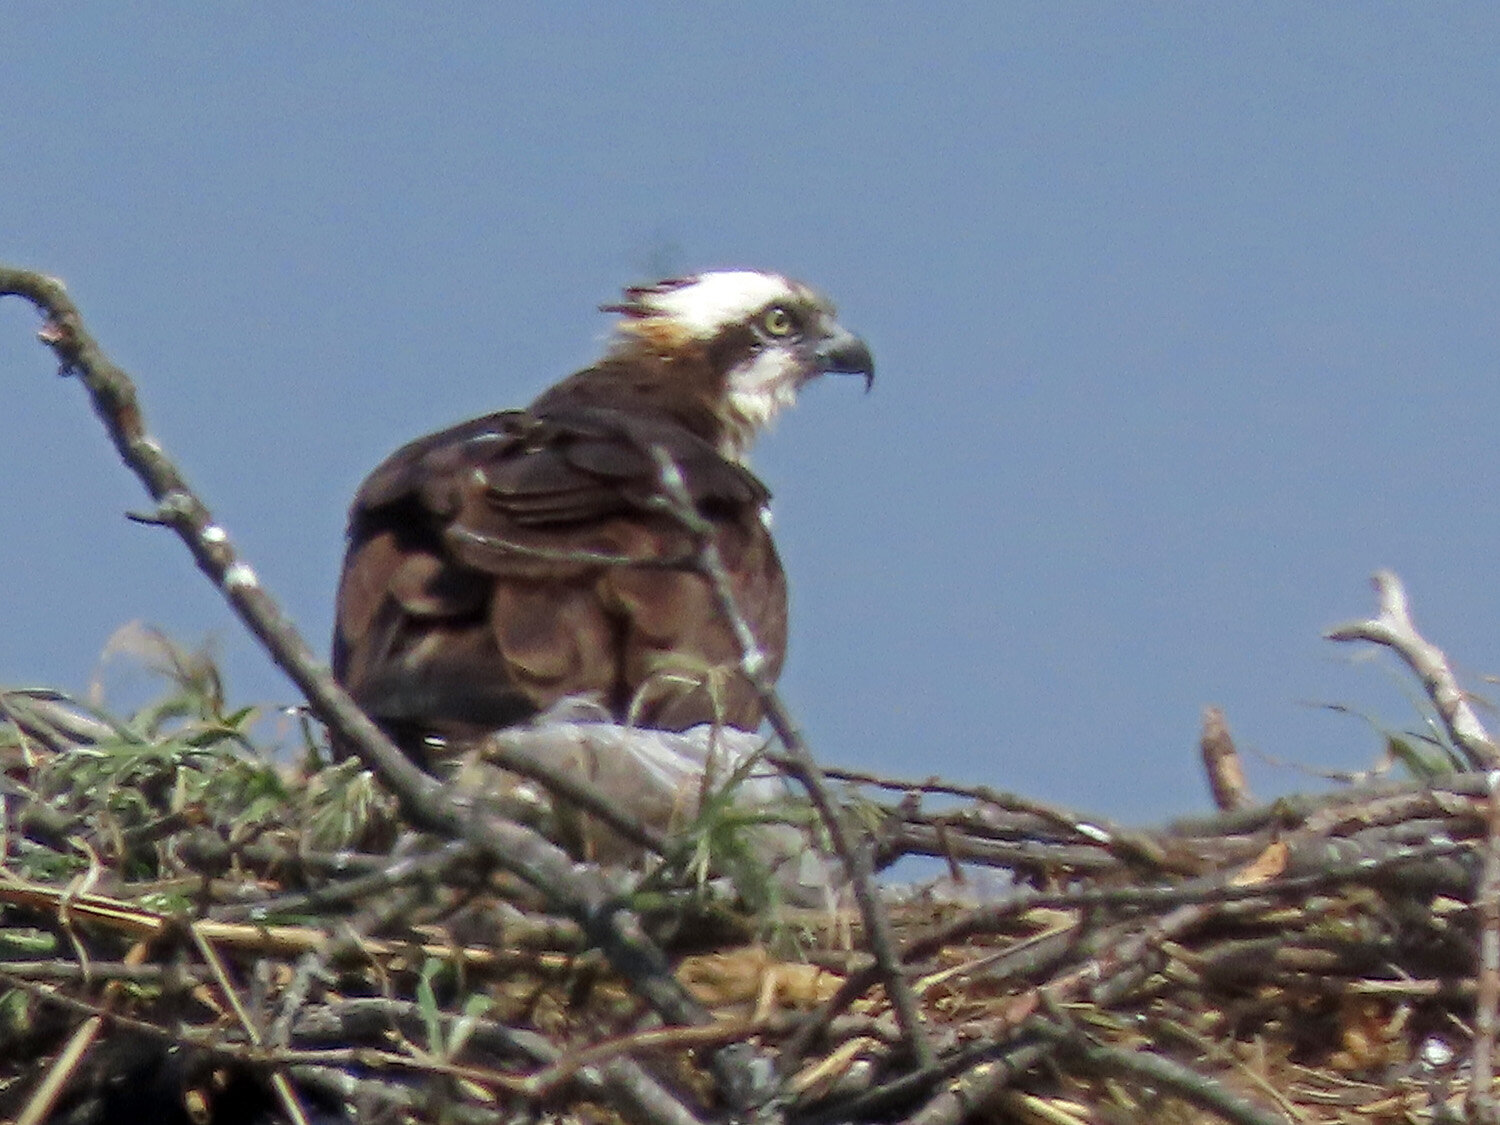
356	1018
279	1081
609	1078
428	867
974	1087
1353	804
1162	1072
372	1095
310	967
991	916
1093	828
958	844
1221	761
1395	629
544	1083
799	761
512	846
1123	844
1481	1098
1167	1026
44	1097
206	1039
380	1060
1314	869
69	973
314	964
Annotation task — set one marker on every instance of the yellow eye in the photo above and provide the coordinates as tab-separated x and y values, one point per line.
778	321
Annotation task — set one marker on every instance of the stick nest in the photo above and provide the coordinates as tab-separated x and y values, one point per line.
188	922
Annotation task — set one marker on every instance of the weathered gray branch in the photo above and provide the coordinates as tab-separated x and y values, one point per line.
1481	1100
801	765
572	890
1394	628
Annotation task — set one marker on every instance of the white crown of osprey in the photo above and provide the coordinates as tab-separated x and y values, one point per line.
703	304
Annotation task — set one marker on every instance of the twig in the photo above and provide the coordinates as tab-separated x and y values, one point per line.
971	1089
1093	828
44	1097
1362	868
1160	1071
1481	1097
629	1084
1127	954
1395	629
959	842
311	966
279	1082
545	1082
70	973
975	1071
1354	804
800	762
1168	1027
512	846
1036	825
375	1098
40	1105
428	867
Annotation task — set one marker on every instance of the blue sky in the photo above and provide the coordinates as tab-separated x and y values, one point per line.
1185	318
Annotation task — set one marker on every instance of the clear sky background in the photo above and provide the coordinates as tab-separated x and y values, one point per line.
1185	318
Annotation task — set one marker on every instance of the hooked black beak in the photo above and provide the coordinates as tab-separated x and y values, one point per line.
842	352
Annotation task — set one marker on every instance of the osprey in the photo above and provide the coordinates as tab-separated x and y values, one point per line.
523	558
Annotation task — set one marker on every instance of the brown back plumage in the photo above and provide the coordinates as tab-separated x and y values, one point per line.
468	601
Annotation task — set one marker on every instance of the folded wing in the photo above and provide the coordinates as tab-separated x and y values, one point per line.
500	566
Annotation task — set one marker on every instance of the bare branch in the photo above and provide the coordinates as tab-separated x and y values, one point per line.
1091	827
1395	629
800	762
285	1094
573	891
1158	1070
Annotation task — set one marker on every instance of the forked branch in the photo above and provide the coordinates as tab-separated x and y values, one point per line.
1393	627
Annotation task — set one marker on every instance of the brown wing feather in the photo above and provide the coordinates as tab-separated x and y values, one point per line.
469	600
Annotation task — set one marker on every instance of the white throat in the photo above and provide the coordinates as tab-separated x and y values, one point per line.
758	390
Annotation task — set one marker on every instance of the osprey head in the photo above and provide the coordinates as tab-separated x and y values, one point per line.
760	336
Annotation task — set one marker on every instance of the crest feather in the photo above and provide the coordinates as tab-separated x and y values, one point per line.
703	304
